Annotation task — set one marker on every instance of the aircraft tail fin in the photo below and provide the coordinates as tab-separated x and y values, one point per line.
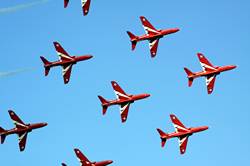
63	164
132	39
46	63
164	137
3	136
190	78
104	104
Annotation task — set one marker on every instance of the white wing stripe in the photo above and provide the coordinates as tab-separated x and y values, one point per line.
179	127
18	124
61	55
84	2
208	80
22	136
181	141
205	66
120	94
124	108
66	69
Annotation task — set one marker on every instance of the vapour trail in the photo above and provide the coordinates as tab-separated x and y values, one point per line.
21	6
11	73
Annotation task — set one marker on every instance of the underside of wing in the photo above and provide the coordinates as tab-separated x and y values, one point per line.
149	28
179	127
153	45
16	120
83	159
67	72
205	64
85	6
22	137
183	144
66	3
119	92
124	111
63	55
210	81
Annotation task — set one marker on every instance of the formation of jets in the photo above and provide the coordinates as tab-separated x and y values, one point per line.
84	161
152	35
123	99
21	130
65	60
181	132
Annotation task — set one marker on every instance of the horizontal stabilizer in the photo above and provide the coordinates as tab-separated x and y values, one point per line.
45	62
132	39
190	78
163	137
3	138
104	104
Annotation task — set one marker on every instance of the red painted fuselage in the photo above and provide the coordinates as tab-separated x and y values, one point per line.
187	133
161	33
131	99
74	60
27	128
217	71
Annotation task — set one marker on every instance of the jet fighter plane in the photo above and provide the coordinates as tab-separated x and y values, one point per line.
85	6
152	35
21	130
181	132
85	162
123	99
209	71
65	60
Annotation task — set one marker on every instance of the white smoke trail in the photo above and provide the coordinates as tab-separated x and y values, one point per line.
21	6
10	73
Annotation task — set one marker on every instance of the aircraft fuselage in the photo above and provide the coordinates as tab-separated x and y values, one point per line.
27	128
213	72
189	132
103	163
131	99
74	60
161	34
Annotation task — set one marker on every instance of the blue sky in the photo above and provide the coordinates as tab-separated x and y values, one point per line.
218	29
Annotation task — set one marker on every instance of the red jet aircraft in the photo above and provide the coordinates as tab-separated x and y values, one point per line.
152	35
85	6
209	71
181	132
85	162
21	130
123	99
66	61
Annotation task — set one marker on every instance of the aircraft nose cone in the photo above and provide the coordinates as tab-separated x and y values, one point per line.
177	29
110	161
89	56
147	95
205	127
45	124
233	66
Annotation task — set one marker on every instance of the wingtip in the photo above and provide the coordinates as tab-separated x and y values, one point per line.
113	82
142	17
77	150
200	55
10	111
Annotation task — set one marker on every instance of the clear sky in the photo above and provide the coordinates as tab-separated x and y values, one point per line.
218	29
